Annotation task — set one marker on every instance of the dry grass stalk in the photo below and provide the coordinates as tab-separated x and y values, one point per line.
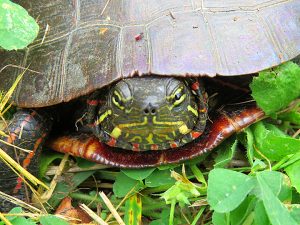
3	218
19	202
93	215
47	195
111	208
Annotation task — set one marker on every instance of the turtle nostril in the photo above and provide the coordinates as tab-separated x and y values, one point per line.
150	110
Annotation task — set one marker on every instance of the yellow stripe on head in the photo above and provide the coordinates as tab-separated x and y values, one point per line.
103	116
126	125
191	109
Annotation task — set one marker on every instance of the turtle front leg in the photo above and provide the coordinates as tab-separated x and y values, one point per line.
26	130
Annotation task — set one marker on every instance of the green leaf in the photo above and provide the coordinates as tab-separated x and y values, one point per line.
83	163
224	195
276	211
278	183
133	210
286	191
250	144
138	174
272	143
51	220
226	152
275	88
295	197
199	175
294	174
219	218
291	116
260	215
239	215
159	178
15	210
295	212
274	181
164	218
47	157
17	28
258	165
19	220
69	184
22	221
125	184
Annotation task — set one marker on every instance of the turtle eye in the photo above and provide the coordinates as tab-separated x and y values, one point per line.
117	100
179	96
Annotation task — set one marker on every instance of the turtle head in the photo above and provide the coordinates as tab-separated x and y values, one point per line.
150	113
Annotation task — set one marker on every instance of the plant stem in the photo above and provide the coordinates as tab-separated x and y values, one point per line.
198	216
172	211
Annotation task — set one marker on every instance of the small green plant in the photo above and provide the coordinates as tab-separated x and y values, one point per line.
17	28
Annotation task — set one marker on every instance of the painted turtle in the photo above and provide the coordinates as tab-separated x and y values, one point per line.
128	73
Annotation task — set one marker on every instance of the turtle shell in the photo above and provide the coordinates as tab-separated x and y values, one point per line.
84	45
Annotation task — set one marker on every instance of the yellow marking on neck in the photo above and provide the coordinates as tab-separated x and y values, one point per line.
174	134
178	123
184	129
136	139
165	136
191	109
133	124
116	132
103	116
150	138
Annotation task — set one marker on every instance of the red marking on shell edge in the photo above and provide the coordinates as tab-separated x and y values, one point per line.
92	102
135	147
18	185
195	86
112	142
195	134
173	145
154	147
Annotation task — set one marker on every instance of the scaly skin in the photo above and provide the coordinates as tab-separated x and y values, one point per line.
27	130
223	124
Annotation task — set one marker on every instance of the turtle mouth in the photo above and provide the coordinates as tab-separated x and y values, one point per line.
150	131
153	125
